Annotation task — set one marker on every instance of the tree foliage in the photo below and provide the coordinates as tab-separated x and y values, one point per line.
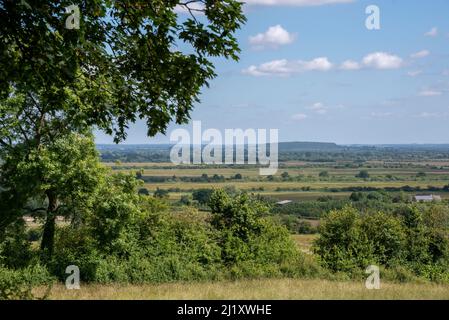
127	60
56	179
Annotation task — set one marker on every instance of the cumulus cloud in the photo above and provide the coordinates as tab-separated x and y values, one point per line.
350	65
299	117
430	93
432	32
274	37
420	54
382	60
377	60
298	3
287	67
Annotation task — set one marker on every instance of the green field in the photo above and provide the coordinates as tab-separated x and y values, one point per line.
301	176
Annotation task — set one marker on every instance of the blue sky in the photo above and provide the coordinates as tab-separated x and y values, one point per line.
312	69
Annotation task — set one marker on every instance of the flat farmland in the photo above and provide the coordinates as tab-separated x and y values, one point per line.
302	183
273	186
169	170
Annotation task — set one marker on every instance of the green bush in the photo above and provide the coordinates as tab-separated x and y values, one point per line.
15	249
251	244
75	246
342	246
18	284
412	243
398	274
387	237
162	247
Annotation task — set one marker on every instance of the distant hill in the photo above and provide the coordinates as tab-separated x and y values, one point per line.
298	146
309	146
283	146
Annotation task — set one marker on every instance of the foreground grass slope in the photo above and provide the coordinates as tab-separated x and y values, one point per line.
288	289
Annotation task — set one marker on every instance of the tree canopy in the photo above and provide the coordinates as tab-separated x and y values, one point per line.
127	60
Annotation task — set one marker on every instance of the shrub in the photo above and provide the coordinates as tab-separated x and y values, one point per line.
398	273
161	247
363	174
414	242
324	174
386	236
144	191
342	246
202	195
250	243
18	284
14	246
161	193
75	246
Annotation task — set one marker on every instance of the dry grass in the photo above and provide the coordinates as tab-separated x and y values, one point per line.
304	241
285	289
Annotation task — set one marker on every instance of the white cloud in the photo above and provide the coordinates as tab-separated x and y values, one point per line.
446	72
350	65
286	67
322	109
276	67
299	117
432	32
420	54
274	37
319	64
382	60
414	73
299	3
318	107
377	60
430	93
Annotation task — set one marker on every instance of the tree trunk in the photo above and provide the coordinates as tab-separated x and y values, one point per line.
48	237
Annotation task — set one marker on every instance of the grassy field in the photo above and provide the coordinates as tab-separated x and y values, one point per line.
287	289
277	289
